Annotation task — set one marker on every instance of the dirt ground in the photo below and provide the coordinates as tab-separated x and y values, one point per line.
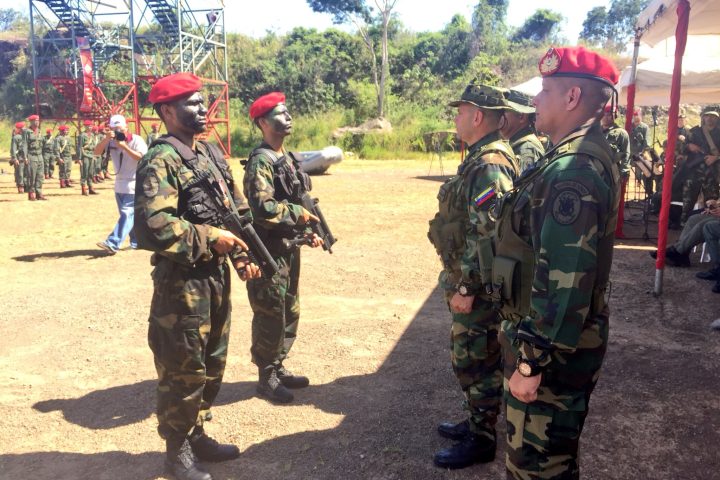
78	378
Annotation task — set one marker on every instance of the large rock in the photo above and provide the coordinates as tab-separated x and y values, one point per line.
374	125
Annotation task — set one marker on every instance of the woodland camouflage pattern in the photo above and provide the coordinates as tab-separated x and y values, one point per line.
527	147
17	154
63	152
567	212
701	178
35	172
48	153
86	144
619	141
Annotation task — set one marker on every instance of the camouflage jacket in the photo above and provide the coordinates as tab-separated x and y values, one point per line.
527	147
163	199
268	211
151	138
61	146
639	138
86	144
619	140
567	213
17	152
48	147
32	142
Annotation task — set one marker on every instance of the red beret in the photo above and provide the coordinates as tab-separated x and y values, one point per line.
174	87
154	125
87	123
48	130
637	111
264	104
578	62
63	128
33	117
20	125
94	128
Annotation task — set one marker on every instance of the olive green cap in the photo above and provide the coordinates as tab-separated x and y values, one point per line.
710	110
520	102
483	96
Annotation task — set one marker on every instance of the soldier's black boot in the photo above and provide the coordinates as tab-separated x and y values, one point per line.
271	388
712	274
181	463
289	380
454	431
472	449
208	449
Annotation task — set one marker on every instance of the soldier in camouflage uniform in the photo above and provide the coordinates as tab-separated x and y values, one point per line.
48	153
103	159
189	324
699	173
96	159
273	185
86	144
153	135
17	156
519	130
553	254
638	144
35	172
462	235
63	155
619	141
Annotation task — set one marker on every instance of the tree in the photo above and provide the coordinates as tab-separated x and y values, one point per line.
11	19
489	27
541	26
360	14
595	27
612	28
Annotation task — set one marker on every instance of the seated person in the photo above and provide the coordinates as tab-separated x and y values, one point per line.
678	254
711	233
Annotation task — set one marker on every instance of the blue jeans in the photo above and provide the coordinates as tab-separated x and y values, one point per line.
711	233
124	226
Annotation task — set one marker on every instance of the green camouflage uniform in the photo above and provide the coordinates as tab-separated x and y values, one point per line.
189	322
152	137
63	152
277	215
527	147
35	173
86	144
554	250
697	177
102	159
619	141
48	154
638	143
17	154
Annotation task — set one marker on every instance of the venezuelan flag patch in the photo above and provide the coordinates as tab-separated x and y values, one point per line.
484	196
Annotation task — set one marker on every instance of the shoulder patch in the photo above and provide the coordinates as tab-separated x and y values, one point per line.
567	203
151	184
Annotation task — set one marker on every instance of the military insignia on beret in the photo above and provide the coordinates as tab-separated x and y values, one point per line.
550	63
151	185
566	207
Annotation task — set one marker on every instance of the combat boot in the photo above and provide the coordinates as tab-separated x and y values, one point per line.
92	191
454	431
84	190
40	196
472	449
62	183
270	387
289	380
31	196
21	189
181	462
676	259
47	176
106	175
712	274
716	287
207	449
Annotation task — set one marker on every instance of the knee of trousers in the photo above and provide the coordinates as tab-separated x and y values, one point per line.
475	348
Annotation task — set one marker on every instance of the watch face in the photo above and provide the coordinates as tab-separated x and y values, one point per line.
462	290
525	369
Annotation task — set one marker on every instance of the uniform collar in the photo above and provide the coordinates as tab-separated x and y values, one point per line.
486	140
523	132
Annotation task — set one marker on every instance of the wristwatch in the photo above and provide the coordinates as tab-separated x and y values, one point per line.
464	290
528	368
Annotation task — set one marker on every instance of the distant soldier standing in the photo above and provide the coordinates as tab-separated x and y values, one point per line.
86	144
97	159
519	129
273	185
63	154
462	233
619	141
553	256
48	153
104	158
638	144
32	143
17	156
153	135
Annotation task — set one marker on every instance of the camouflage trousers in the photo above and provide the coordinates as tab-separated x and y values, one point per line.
275	304
34	174
49	164
65	169
188	335
477	363
20	173
86	171
543	436
691	188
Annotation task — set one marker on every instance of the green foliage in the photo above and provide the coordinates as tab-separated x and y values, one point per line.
17	94
11	19
613	28
541	26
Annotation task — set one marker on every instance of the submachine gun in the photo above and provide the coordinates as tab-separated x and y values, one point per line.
321	228
239	225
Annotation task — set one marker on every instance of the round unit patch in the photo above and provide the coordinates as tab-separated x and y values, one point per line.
566	207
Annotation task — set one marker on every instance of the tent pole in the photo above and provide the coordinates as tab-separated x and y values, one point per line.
683	12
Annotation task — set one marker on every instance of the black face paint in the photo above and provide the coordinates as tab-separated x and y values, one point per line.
191	113
280	120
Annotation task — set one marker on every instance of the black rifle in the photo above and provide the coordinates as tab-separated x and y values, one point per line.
239	225
321	228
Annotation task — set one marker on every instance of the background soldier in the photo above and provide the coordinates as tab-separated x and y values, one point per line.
35	173
103	159
86	144
700	171
461	233
63	154
17	156
638	144
519	129
190	311
153	135
97	159
48	153
274	185
556	237
619	141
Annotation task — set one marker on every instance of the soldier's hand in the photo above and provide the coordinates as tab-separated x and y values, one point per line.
461	304
314	240
524	388
227	241
246	269
694	148
308	217
710	159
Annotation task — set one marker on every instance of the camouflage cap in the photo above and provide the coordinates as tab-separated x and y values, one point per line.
520	102
483	96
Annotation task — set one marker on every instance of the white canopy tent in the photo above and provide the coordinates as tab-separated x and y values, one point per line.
658	21
531	87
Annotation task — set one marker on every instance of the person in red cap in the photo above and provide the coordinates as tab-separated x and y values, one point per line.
555	244
274	185
35	172
17	156
63	154
48	153
154	133
619	140
177	218
85	156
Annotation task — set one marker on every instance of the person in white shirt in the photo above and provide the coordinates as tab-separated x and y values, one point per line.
125	150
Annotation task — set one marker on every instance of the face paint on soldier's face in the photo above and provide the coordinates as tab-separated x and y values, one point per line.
279	120
191	113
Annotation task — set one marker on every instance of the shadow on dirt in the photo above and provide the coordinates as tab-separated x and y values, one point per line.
95	466
433	178
91	254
